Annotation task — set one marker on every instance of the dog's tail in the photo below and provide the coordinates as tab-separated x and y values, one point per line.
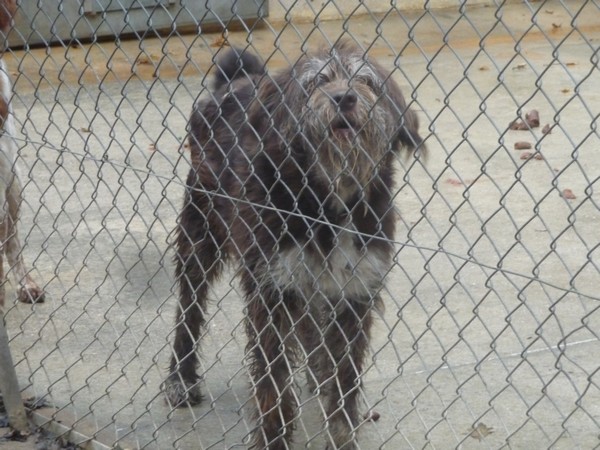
236	63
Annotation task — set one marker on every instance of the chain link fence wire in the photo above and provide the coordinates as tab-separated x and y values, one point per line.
490	332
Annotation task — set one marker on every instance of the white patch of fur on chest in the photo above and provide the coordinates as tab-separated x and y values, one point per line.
349	271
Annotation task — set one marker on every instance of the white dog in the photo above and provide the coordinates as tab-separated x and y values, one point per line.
10	184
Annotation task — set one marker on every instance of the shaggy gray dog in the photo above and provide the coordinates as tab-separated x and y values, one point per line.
292	179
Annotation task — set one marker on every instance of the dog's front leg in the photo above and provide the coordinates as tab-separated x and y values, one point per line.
270	348
346	338
198	263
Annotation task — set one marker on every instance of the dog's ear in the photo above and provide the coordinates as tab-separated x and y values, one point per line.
273	93
408	122
408	134
7	11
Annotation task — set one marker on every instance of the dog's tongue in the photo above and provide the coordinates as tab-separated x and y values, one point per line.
342	129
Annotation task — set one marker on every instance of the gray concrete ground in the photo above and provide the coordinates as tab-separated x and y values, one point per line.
490	334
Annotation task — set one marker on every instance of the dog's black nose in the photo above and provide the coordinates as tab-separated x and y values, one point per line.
345	101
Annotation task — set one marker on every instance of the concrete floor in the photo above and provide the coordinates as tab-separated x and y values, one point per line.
490	333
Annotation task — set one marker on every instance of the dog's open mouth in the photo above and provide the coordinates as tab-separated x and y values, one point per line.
343	127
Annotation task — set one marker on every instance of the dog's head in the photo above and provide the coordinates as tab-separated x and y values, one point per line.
346	109
349	95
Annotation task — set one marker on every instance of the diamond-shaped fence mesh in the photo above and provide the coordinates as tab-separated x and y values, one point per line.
484	333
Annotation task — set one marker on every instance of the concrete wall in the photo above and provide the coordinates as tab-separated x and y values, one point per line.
306	10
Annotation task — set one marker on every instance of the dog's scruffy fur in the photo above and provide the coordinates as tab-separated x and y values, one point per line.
292	179
10	184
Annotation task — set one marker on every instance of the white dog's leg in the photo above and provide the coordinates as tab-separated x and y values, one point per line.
10	200
28	290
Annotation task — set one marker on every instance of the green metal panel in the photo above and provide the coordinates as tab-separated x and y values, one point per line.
99	6
50	21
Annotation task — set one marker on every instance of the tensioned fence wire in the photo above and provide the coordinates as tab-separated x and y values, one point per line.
491	315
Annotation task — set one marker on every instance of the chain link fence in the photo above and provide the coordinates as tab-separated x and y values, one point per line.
490	332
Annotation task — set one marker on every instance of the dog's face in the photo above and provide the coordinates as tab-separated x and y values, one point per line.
348	112
344	99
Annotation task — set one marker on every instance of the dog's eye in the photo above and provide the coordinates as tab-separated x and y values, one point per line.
368	81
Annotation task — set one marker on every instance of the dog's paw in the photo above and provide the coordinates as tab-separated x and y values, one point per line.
178	394
31	294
